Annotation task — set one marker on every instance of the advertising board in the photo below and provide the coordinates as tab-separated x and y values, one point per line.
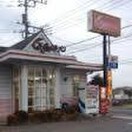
113	62
89	99
104	24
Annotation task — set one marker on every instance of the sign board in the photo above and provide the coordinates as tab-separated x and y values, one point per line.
113	62
113	65
89	99
104	24
102	92
43	47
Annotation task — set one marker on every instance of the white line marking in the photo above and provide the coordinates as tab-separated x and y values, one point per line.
130	123
123	117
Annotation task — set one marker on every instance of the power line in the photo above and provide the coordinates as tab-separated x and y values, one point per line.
116	5
82	41
73	11
85	6
65	25
96	45
85	40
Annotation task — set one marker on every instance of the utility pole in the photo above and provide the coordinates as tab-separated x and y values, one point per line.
25	18
27	4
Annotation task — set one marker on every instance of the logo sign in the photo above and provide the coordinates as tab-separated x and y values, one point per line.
45	47
113	62
104	24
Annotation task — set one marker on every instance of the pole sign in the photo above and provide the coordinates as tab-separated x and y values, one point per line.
104	24
113	62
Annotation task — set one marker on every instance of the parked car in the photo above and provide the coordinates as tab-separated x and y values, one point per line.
116	102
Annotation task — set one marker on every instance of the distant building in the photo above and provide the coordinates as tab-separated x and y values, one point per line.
35	76
122	93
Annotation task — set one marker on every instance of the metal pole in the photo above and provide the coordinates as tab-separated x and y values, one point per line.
109	73
109	47
104	61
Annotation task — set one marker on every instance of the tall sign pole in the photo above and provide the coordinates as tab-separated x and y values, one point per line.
104	60
107	25
109	72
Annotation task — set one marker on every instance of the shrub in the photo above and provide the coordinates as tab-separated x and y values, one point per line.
12	120
22	116
51	115
17	118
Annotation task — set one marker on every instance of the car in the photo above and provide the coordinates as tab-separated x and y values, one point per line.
116	102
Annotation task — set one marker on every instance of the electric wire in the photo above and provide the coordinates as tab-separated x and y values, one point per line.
99	44
116	5
86	40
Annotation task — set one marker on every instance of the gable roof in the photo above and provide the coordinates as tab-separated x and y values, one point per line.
19	52
3	49
22	44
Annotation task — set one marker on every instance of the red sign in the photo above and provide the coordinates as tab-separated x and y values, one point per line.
104	24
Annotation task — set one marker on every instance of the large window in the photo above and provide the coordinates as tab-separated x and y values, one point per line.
40	89
75	84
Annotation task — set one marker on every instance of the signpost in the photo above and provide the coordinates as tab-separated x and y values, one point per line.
106	25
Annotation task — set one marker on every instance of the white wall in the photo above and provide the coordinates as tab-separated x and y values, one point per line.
66	81
5	91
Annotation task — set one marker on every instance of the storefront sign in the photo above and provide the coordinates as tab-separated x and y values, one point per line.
38	45
104	24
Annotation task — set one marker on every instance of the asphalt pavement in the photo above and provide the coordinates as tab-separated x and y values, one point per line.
94	124
117	120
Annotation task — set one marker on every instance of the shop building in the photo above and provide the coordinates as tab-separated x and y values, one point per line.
35	76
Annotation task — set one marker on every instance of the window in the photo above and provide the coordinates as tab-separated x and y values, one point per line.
51	87
16	87
75	84
41	84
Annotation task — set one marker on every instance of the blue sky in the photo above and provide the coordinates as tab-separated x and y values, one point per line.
67	23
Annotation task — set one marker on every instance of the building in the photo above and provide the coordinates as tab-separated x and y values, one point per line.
35	76
122	93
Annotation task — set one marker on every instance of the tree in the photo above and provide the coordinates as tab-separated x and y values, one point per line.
97	80
128	92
